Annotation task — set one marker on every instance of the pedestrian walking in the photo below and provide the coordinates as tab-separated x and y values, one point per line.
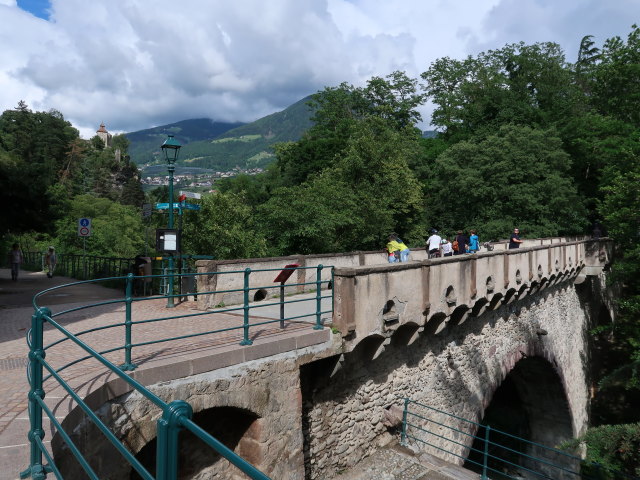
50	261
15	259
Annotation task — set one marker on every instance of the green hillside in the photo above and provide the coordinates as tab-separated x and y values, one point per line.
246	145
145	144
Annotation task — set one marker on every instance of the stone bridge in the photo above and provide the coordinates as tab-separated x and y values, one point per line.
502	329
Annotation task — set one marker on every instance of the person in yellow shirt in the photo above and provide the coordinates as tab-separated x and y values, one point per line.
398	251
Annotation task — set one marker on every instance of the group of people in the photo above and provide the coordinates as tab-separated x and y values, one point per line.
397	250
15	259
441	247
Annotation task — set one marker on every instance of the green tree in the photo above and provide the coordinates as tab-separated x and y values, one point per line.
357	202
224	228
517	84
117	229
515	177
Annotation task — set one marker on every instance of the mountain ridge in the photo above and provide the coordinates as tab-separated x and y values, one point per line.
223	146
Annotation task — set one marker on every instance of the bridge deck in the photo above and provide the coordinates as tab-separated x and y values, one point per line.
156	362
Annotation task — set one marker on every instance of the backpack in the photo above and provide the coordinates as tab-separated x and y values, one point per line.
455	245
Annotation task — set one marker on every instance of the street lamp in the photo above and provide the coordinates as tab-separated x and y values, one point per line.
171	148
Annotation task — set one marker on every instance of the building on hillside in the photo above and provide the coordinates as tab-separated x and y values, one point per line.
104	135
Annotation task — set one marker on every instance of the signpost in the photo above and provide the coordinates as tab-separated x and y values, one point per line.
84	231
177	206
282	277
197	196
84	227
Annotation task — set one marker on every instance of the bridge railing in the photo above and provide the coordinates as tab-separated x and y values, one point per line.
494	453
65	349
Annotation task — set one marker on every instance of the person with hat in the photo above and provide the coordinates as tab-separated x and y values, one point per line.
446	248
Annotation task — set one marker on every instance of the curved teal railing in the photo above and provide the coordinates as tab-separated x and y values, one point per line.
419	425
176	415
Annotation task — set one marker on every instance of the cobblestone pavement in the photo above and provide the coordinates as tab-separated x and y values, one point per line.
15	320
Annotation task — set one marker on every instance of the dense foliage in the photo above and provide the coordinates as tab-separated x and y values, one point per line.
49	178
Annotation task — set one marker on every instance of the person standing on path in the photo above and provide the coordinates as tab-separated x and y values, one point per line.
14	260
461	242
397	250
433	244
50	261
514	241
474	242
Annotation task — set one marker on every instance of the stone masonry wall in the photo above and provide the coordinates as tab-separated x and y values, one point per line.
266	389
456	371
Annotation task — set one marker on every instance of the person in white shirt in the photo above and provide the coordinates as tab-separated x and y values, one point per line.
446	248
433	244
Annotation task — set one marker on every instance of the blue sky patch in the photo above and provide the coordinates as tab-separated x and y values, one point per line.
39	8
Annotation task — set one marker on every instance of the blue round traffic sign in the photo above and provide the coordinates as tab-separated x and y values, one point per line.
84	222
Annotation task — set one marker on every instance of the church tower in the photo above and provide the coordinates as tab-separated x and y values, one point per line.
104	135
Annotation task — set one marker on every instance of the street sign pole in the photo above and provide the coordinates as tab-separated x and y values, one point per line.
84	230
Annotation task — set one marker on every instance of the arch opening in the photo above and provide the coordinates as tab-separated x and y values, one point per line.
236	428
529	404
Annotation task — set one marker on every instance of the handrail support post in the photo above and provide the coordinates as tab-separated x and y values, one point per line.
245	326
128	364
36	469
318	325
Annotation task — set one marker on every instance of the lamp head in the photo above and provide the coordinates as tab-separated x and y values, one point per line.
171	147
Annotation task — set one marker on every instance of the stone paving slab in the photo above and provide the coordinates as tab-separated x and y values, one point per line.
156	361
395	462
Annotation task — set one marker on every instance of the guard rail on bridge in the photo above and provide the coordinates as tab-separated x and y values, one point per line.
494	453
69	354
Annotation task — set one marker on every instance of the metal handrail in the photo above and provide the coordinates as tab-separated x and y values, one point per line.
486	443
176	415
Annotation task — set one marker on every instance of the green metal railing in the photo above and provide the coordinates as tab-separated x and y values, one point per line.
496	458
176	415
82	267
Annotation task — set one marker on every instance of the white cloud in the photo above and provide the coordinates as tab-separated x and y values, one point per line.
138	64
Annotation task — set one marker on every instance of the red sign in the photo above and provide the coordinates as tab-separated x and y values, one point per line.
284	275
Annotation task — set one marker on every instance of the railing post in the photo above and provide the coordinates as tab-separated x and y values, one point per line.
485	456
128	365
36	469
318	325
403	437
246	340
169	427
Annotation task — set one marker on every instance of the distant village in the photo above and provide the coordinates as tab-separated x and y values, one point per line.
203	180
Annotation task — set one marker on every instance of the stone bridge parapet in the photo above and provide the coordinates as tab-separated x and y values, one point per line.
425	296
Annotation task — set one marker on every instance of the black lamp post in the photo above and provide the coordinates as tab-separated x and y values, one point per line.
171	148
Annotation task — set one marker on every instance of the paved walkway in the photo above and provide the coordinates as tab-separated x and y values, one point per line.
395	462
183	357
392	463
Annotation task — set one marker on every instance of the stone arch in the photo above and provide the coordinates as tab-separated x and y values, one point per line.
519	407
370	347
436	323
238	429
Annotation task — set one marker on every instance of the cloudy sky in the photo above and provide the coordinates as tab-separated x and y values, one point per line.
135	64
